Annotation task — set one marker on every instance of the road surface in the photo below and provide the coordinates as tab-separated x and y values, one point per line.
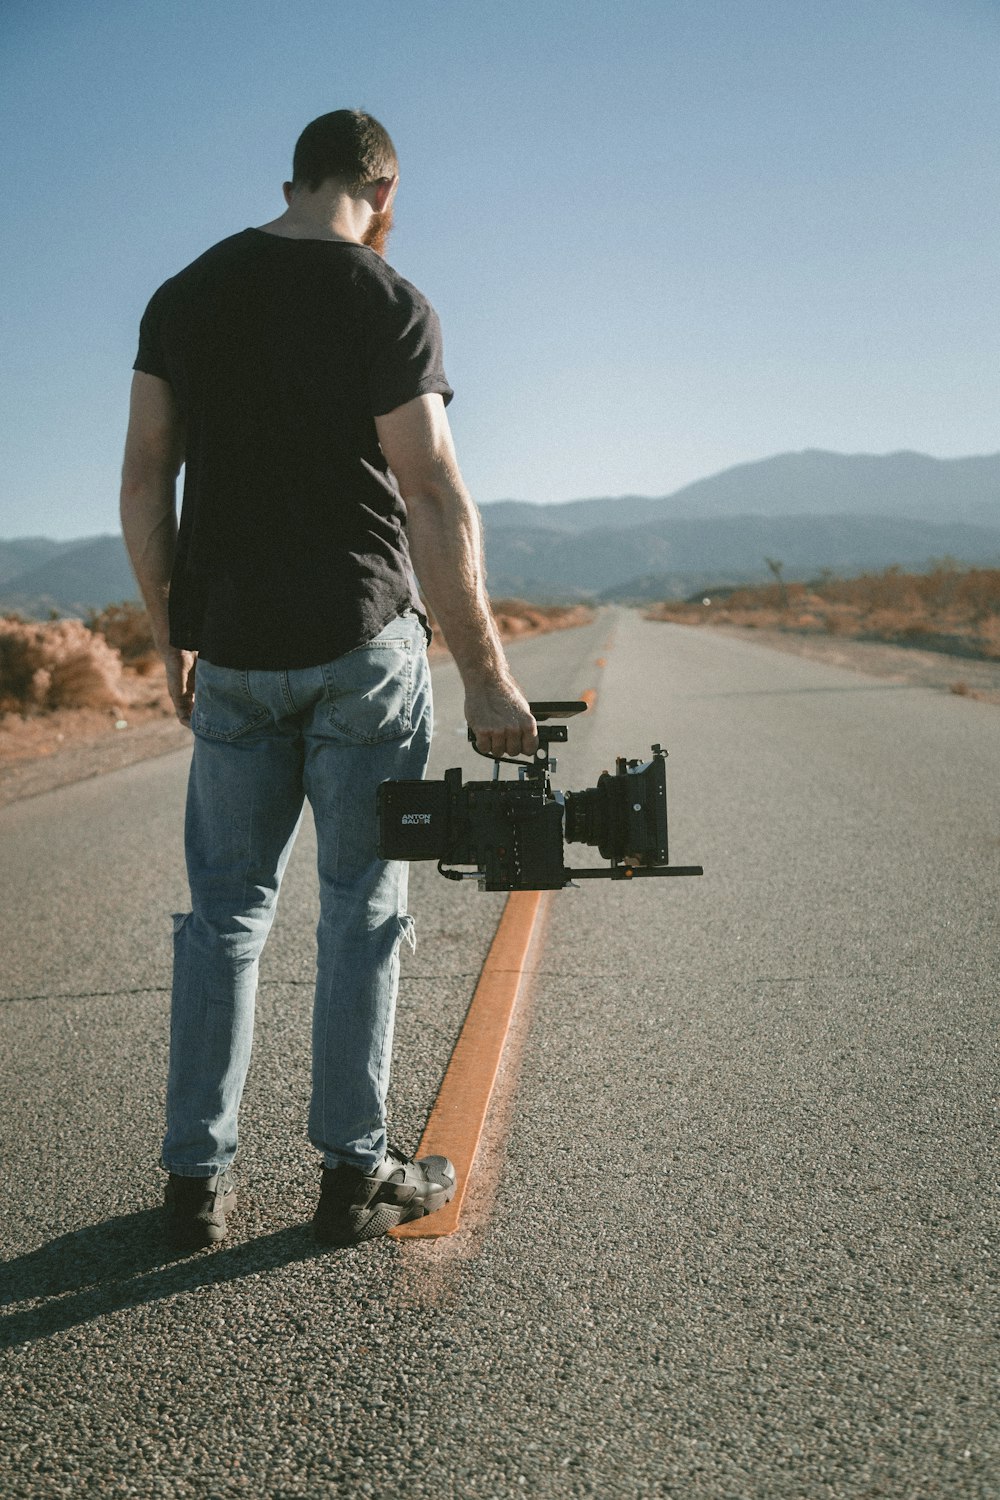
733	1234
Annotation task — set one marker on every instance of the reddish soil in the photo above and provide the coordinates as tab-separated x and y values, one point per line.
964	676
939	629
951	611
42	750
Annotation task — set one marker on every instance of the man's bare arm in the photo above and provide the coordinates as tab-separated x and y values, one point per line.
154	452
446	545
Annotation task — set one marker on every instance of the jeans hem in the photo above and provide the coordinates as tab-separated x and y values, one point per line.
195	1172
332	1162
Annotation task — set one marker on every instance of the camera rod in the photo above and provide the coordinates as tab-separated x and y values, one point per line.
616	872
634	872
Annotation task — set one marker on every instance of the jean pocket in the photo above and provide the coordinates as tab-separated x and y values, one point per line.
369	691
224	708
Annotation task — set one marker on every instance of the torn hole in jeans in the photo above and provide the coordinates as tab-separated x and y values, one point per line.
408	931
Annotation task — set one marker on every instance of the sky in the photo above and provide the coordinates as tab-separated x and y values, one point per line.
663	236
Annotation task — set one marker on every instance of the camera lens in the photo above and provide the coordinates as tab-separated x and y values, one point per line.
624	815
598	816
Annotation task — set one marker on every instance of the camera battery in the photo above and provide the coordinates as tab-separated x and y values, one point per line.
412	819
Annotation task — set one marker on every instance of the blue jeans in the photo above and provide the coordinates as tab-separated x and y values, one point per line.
265	741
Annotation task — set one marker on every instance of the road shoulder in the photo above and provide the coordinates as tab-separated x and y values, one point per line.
965	676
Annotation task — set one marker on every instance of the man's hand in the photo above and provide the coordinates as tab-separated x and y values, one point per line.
180	667
498	714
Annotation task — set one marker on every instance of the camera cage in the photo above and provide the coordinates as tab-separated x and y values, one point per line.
539	769
512	832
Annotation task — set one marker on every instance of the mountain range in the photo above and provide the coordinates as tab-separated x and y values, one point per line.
811	511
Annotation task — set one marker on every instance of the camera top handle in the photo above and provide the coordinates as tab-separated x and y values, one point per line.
542	711
556	735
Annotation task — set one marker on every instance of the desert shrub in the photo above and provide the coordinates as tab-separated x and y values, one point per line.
978	591
58	664
517	617
989	636
126	627
942	606
509	625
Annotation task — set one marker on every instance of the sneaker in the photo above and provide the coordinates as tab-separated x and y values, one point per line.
196	1209
353	1208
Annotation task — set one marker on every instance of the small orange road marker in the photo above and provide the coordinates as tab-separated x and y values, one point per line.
456	1122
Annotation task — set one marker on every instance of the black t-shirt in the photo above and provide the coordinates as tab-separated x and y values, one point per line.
280	353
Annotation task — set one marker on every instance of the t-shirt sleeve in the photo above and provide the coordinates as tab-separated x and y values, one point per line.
403	349
151	359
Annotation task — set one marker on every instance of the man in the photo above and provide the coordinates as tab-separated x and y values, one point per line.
299	380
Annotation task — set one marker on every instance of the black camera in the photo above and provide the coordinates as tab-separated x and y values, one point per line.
512	832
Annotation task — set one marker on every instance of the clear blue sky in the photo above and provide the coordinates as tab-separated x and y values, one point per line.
663	236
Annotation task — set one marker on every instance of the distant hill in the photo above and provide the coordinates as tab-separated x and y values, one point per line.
809	483
81	576
27	552
811	510
548	564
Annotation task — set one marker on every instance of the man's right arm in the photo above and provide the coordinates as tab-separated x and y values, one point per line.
445	536
154	452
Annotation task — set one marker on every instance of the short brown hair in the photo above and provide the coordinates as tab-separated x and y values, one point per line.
346	144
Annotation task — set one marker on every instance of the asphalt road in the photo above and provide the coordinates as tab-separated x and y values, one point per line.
734	1235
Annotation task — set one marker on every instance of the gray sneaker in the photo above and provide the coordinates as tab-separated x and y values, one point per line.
196	1209
354	1207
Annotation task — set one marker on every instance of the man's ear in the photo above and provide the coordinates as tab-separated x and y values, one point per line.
286	188
384	190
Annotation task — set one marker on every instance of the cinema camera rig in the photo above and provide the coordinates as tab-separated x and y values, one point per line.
511	832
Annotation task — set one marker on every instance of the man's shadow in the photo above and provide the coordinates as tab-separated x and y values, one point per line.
124	1262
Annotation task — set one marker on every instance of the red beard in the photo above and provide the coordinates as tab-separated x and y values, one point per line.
376	236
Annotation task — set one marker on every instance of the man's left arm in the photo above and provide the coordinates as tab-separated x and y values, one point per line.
154	453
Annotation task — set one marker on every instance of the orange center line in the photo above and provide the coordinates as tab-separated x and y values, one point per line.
455	1124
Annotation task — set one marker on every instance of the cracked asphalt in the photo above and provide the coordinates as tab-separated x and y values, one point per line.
733	1233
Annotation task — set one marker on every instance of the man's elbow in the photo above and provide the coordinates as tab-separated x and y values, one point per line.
147	507
138	499
438	495
426	501
131	493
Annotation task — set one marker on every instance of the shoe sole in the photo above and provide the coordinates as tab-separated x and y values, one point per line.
371	1224
196	1234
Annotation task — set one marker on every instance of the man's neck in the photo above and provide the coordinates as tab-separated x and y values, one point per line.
319	216
291	227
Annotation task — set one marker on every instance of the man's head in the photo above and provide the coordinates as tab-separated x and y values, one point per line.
350	152
347	145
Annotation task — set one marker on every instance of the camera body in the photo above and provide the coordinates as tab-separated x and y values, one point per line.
512	833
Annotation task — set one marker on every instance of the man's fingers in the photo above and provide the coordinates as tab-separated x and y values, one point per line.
515	739
501	721
512	740
183	705
181	667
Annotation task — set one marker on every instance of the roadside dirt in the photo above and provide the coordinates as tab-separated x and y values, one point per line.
42	751
963	675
